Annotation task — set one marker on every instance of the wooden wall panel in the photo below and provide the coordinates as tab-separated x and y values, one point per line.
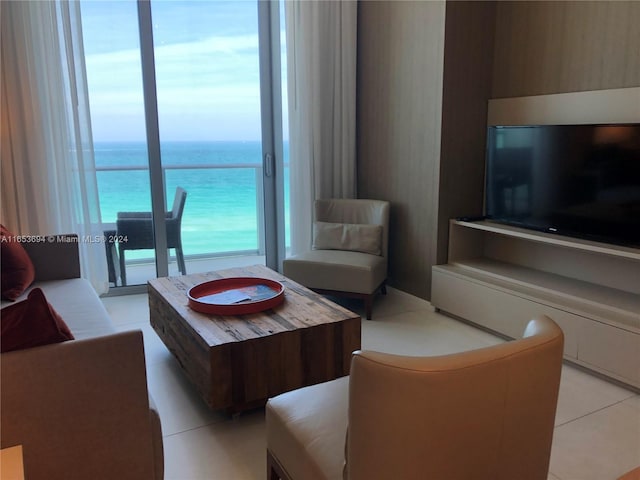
556	46
469	40
425	73
400	65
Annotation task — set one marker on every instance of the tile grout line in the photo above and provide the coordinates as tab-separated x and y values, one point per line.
218	422
192	429
595	411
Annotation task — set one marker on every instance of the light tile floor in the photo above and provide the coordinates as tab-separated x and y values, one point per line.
597	433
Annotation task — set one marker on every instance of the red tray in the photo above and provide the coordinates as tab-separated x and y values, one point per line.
235	295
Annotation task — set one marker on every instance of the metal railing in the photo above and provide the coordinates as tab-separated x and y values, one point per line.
199	166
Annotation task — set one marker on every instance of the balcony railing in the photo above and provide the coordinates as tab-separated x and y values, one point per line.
109	216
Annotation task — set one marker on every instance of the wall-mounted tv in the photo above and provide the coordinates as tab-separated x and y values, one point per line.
575	180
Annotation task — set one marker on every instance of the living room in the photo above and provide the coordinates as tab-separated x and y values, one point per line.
426	73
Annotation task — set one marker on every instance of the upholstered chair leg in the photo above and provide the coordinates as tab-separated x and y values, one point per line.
368	306
274	471
272	474
123	271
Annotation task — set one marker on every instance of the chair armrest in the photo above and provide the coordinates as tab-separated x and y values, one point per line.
80	409
55	259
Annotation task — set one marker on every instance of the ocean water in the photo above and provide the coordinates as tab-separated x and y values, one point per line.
223	204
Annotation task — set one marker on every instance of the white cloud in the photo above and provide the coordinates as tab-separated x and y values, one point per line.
213	81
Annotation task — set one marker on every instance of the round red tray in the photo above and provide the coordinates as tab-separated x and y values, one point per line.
247	294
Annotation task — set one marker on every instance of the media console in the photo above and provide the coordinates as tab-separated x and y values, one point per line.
500	276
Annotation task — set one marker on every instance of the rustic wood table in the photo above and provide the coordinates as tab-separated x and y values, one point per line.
238	362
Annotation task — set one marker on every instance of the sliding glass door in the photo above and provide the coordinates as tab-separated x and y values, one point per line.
114	77
208	77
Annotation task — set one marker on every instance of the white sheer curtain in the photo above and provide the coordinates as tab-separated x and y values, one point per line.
321	76
49	183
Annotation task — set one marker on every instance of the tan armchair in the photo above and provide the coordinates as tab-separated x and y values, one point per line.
485	414
349	255
632	475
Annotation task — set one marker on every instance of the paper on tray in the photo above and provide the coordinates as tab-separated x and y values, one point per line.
228	297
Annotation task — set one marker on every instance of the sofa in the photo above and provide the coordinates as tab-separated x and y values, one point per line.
80	408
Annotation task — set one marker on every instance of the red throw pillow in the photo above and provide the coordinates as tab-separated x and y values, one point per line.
31	323
16	267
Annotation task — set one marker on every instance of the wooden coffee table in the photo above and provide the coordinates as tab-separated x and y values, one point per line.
238	362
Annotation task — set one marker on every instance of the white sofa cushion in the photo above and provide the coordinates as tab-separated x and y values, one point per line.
77	303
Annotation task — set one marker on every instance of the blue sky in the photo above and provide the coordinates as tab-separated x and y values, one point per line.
206	69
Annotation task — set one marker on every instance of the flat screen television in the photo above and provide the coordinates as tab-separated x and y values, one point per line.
575	180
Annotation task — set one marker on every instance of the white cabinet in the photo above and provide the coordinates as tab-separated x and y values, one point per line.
499	277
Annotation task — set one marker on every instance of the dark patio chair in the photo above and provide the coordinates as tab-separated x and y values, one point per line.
137	228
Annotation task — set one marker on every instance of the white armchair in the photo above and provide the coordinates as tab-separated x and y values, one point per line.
349	255
485	414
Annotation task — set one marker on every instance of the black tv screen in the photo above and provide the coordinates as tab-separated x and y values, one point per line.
575	180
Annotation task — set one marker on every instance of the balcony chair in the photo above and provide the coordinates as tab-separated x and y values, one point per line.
349	255
137	228
484	414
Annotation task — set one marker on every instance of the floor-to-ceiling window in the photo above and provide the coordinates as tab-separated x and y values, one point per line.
114	77
207	81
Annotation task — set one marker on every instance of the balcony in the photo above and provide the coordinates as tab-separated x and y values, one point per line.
139	271
223	220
